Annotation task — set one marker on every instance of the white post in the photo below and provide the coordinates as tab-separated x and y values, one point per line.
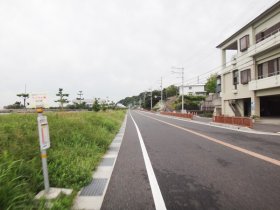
44	157
161	92
182	90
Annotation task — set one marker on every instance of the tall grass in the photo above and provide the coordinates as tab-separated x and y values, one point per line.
78	141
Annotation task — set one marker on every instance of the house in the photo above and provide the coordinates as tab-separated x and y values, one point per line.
195	89
249	83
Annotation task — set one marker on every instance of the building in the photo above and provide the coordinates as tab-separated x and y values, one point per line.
196	90
250	78
212	103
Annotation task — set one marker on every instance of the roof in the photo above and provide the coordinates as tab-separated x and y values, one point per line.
262	15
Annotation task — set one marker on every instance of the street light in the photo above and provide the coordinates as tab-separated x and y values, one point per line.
182	76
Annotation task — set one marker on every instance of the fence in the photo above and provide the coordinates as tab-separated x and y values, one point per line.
183	115
243	121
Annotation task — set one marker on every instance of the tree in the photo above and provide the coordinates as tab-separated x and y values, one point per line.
96	106
80	98
62	98
16	105
24	96
171	90
210	86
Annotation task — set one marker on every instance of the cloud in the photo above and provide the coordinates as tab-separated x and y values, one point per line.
114	48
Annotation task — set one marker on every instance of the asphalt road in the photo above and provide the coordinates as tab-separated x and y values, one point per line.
196	167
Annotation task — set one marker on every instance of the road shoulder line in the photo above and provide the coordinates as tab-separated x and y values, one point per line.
157	196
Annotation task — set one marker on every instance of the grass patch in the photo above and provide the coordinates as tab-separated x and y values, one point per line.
78	141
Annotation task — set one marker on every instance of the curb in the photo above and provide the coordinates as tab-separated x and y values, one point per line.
224	126
91	197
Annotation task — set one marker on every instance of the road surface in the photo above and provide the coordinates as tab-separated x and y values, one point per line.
177	164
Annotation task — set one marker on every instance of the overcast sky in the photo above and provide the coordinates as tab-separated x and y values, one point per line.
112	48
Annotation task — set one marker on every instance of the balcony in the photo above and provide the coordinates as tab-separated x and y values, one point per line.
264	83
271	41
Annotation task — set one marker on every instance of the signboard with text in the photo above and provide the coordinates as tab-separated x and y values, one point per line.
44	136
38	100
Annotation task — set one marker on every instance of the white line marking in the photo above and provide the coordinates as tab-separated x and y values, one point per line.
245	151
158	199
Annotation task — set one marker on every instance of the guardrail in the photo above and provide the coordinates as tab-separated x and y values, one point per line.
183	115
242	121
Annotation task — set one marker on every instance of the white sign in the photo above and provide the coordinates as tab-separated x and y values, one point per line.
38	100
44	136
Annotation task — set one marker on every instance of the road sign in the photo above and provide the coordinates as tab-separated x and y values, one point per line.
44	136
38	100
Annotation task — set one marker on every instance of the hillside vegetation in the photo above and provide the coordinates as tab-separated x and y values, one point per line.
78	141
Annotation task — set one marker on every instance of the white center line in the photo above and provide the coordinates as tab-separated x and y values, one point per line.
158	199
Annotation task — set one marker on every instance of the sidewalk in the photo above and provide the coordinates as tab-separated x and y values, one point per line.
266	127
258	126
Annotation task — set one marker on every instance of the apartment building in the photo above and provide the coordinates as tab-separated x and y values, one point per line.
249	84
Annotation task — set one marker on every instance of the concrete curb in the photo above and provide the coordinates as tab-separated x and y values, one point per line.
91	197
224	126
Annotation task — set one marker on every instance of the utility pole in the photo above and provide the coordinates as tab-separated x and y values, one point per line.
182	76
161	90
151	99
144	100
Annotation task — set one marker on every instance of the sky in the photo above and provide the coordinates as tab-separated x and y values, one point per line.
112	48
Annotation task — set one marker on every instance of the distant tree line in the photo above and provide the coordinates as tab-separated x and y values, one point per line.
144	99
63	102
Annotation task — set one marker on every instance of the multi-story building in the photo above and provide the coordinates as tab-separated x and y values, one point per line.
195	89
250	79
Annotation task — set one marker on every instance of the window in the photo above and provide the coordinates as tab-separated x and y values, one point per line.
244	43
269	68
235	78
268	32
260	72
218	84
245	76
273	67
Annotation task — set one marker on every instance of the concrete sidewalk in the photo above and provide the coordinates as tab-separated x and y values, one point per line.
266	126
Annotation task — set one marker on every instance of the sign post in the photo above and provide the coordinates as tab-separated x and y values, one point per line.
44	138
39	101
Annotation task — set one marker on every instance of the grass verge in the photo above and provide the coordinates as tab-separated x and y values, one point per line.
78	141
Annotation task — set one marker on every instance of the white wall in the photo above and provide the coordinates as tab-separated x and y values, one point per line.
192	89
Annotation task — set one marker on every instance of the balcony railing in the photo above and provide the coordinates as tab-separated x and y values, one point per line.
265	83
268	75
268	35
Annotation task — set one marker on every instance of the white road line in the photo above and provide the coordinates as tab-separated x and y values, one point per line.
240	149
158	199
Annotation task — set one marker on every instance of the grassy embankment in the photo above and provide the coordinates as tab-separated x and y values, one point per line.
78	141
